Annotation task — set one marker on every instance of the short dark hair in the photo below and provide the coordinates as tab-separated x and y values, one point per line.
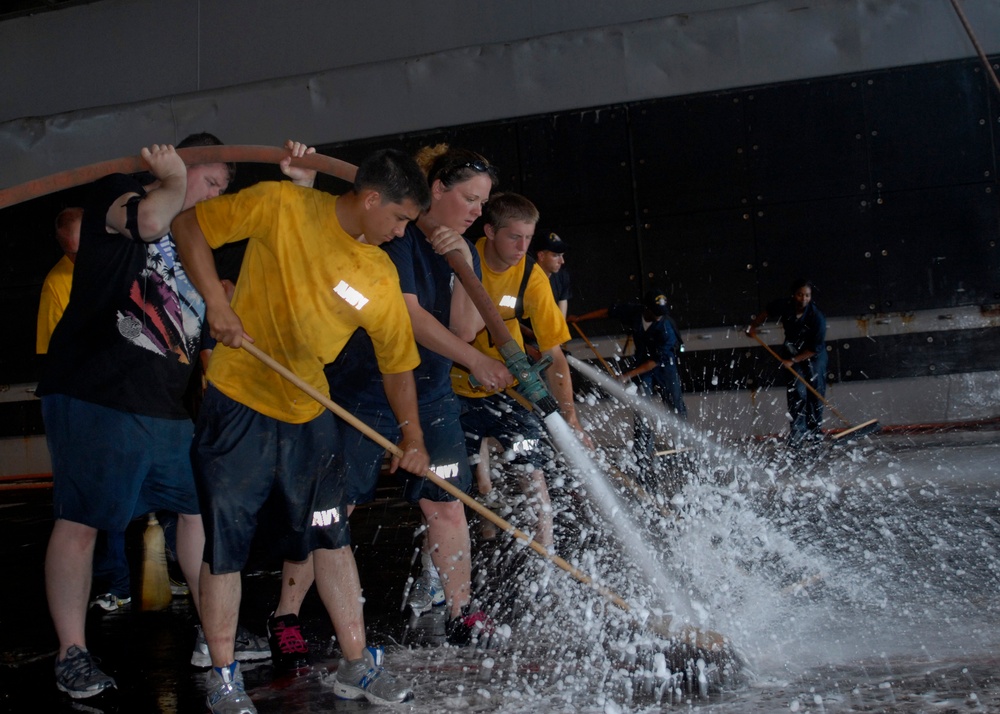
206	139
799	283
503	208
396	176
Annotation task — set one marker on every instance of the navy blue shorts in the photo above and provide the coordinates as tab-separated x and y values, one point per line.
241	456
109	466
520	432
445	443
363	457
443	438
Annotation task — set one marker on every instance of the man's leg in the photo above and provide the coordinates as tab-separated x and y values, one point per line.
484	483
814	405
68	566
537	492
220	606
111	571
234	456
673	392
361	672
190	550
796	410
296	579
340	590
448	540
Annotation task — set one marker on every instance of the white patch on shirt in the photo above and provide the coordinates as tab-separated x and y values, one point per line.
508	301
351	296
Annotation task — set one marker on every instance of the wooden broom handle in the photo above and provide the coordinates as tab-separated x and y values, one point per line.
801	379
431	476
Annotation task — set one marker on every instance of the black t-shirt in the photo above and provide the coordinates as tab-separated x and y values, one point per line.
130	335
560	285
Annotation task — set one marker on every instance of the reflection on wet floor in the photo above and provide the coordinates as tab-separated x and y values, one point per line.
856	579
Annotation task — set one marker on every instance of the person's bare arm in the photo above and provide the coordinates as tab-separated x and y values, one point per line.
465	319
401	391
158	208
436	337
466	322
196	257
800	357
299	176
638	370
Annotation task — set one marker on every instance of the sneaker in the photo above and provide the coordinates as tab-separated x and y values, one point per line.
426	592
79	676
248	647
428	628
288	647
470	629
366	677
109	602
226	694
496	502
178	588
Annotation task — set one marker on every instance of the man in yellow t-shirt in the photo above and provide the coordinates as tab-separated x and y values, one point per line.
510	225
312	274
59	281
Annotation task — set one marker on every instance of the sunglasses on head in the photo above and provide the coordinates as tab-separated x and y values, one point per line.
481	166
476	165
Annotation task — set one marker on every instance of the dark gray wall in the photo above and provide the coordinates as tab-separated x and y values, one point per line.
100	80
715	147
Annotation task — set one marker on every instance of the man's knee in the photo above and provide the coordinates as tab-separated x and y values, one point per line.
447	514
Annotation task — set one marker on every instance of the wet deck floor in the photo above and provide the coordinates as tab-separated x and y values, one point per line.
148	652
951	664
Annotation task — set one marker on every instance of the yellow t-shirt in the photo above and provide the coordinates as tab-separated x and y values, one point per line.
52	305
304	288
539	306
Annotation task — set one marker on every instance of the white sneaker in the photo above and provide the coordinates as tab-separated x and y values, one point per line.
109	602
367	678
426	592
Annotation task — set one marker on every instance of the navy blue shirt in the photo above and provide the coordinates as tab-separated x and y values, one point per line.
658	342
354	375
802	334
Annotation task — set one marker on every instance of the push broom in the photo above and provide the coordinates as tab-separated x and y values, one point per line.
707	644
868	427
